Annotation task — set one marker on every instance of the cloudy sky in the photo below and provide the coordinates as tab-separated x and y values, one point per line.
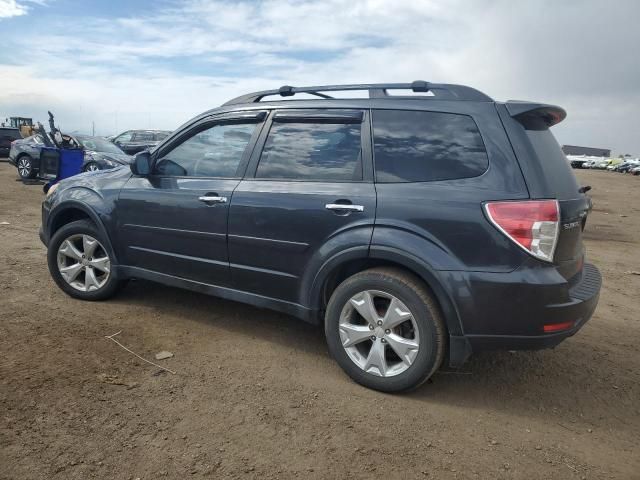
154	64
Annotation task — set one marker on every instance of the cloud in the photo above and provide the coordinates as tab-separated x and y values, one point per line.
11	8
159	65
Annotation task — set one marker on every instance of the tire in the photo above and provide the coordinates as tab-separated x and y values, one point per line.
91	167
24	164
88	277
422	327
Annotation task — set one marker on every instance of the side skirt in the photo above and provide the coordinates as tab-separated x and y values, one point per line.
294	309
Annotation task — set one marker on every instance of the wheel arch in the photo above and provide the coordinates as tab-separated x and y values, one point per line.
343	265
70	211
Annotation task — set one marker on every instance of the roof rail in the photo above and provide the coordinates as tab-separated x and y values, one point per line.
439	91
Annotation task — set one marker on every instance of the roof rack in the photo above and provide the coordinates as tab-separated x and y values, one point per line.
439	91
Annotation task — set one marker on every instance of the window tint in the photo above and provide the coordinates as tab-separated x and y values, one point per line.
557	170
426	146
214	152
312	151
143	137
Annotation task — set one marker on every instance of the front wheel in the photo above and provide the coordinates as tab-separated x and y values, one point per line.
80	264
385	330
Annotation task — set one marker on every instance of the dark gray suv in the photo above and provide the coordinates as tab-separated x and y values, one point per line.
418	225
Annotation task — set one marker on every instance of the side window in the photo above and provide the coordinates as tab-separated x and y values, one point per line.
143	137
312	151
426	146
161	136
214	152
125	137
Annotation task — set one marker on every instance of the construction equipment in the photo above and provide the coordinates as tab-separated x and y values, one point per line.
24	124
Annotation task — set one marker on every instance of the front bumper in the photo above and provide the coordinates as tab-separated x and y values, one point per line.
43	237
583	299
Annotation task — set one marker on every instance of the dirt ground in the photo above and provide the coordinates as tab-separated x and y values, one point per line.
256	395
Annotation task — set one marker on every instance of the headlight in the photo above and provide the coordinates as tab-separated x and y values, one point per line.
52	189
110	163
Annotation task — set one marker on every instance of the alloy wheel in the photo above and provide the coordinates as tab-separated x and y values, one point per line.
379	333
24	167
83	263
92	167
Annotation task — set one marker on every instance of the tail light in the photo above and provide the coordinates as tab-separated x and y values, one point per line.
531	224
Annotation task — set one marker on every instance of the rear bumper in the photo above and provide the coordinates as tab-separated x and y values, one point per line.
583	299
509	311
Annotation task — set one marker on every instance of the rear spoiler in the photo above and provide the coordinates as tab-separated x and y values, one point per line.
535	116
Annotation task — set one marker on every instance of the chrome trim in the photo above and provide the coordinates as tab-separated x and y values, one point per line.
213	199
340	206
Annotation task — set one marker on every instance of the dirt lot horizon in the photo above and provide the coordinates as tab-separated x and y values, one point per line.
256	395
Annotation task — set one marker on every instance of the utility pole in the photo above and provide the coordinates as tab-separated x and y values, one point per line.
93	128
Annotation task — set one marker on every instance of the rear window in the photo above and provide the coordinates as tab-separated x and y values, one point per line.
426	146
557	170
312	151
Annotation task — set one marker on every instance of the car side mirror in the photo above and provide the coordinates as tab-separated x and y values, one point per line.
141	164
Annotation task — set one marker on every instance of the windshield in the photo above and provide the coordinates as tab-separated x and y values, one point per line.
99	145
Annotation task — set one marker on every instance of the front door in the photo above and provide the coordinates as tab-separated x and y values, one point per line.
306	196
174	221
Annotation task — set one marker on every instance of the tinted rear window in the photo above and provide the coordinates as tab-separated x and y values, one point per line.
312	151
426	146
555	165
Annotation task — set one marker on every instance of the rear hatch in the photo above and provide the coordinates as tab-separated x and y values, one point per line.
548	175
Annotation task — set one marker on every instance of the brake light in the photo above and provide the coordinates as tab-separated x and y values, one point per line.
531	224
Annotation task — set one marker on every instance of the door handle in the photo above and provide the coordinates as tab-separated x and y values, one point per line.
342	206
212	199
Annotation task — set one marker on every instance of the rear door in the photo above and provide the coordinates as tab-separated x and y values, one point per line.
174	221
308	194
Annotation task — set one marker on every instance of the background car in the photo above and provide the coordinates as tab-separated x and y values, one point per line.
99	154
635	170
25	155
134	141
8	135
627	165
577	161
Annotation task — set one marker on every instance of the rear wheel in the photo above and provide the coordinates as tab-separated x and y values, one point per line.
25	167
80	264
385	330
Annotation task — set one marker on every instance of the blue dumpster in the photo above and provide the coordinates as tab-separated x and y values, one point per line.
59	163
